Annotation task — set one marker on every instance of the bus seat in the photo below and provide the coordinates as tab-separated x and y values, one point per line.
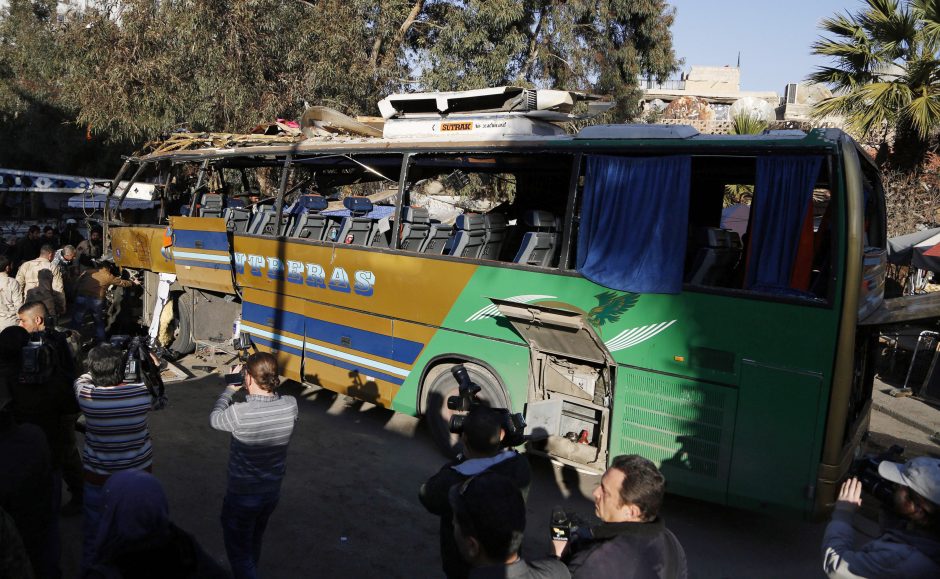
494	228
415	226
539	244
468	237
718	253
309	226
265	223
356	229
210	205
438	237
236	219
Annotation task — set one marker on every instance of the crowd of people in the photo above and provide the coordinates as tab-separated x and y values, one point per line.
47	383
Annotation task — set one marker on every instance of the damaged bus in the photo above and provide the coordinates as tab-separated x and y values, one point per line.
695	299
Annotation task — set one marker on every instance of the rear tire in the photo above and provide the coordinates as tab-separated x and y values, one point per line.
183	344
440	384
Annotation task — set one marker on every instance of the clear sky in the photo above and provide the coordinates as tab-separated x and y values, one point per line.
773	38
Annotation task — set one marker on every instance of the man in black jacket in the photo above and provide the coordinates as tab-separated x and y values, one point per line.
482	435
632	542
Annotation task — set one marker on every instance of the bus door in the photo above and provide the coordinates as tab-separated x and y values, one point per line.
202	254
571	377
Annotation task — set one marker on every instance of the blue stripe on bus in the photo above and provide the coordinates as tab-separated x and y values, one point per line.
279	346
362	370
205	264
215	240
389	347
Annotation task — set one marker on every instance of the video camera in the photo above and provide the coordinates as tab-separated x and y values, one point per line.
466	401
865	469
565	526
140	367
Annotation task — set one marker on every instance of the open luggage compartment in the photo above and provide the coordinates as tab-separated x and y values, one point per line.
571	375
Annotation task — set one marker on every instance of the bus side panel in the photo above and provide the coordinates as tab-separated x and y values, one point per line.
202	254
267	317
684	425
142	247
776	449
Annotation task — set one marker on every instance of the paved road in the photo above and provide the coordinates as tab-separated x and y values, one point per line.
350	509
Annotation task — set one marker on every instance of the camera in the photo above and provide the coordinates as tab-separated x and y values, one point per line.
140	367
466	401
565	526
865	469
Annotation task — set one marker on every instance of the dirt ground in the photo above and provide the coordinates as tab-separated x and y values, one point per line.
349	506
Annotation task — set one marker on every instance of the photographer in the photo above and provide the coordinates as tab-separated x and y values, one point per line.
117	437
483	433
631	541
911	547
489	522
261	428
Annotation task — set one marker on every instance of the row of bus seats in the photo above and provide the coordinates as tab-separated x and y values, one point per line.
473	236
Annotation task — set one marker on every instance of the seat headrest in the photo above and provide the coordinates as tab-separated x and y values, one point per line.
415	215
357	204
312	202
495	220
539	218
469	222
235	202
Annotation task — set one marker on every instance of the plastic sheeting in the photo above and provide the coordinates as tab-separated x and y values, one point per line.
97	201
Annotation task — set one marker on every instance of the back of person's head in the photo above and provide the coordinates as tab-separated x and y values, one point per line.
135	510
68	250
106	365
12	340
45	279
46	250
5	263
643	484
489	512
263	369
482	429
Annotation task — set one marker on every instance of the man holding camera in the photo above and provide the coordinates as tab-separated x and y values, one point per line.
117	437
261	428
632	541
910	545
482	437
489	522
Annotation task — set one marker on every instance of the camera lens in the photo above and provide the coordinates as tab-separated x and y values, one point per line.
456	423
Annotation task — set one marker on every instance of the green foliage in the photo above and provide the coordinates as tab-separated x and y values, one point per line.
886	69
129	70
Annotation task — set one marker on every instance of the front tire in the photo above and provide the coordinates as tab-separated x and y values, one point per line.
440	384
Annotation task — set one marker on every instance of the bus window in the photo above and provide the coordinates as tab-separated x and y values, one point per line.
506	208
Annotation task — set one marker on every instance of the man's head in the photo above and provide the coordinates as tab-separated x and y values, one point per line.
918	493
32	317
33	232
12	340
68	252
95	234
70	223
48	232
46	252
106	365
631	490
482	432
5	264
489	519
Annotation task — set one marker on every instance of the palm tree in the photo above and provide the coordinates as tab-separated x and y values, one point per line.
886	74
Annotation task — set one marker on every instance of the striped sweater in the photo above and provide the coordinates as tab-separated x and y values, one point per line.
261	428
116	433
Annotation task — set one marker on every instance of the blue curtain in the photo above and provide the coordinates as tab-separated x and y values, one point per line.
634	222
782	193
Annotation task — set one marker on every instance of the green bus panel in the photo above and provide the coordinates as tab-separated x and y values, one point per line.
683	425
777	440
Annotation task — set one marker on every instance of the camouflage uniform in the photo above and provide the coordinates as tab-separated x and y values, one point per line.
28	278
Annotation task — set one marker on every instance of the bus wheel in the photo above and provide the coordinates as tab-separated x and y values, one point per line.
440	384
183	343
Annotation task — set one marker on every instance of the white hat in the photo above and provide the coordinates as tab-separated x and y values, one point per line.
70	221
921	475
